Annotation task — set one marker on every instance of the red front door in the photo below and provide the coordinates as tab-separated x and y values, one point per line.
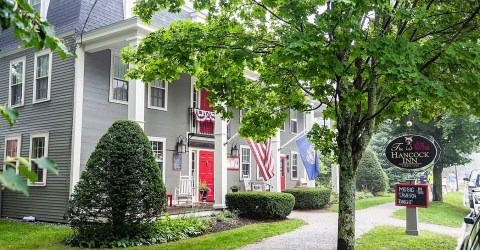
205	127
282	172
206	172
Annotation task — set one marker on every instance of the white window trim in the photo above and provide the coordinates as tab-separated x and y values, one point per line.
110	92
241	162
282	128
38	135
164	141
23	60
149	97
49	83
291	165
43	8
19	147
296	121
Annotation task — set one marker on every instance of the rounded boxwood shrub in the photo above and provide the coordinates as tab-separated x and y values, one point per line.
309	198
261	205
120	193
370	175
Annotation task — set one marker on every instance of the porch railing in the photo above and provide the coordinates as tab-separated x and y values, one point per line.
201	125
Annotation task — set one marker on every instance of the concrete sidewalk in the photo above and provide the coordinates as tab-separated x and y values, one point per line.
321	231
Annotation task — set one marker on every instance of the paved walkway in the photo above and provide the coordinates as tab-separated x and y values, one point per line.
321	231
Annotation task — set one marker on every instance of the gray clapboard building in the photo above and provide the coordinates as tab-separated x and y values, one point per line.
65	107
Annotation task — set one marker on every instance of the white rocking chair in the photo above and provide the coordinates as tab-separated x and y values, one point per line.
184	190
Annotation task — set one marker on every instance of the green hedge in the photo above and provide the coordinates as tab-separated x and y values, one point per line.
309	198
261	205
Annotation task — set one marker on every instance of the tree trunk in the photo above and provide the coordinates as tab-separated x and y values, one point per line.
346	213
437	182
348	162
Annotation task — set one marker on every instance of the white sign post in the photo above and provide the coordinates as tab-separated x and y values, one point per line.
412	218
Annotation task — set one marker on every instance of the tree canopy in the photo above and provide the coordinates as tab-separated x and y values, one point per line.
363	60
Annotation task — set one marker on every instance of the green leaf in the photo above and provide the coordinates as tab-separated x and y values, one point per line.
49	30
14	182
10	114
47	163
32	177
23	161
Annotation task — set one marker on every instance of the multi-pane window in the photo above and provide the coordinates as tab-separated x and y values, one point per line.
119	83
41	87
245	162
158	95
17	82
38	149
294	166
12	149
158	147
293	122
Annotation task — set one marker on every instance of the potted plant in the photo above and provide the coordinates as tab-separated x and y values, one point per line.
202	187
235	188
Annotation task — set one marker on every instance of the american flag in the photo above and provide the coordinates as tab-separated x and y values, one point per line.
263	155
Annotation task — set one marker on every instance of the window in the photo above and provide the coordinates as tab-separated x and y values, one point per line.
294	166
293	122
42	76
38	149
40	6
245	162
158	147
17	82
119	87
259	174
157	95
12	149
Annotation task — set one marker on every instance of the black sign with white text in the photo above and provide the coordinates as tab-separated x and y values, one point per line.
411	151
411	195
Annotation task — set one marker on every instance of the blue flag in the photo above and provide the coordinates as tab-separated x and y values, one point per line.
309	157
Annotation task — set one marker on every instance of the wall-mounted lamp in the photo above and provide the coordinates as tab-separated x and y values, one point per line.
287	156
181	147
234	152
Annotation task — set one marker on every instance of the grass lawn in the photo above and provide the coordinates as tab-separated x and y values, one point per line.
16	235
450	212
235	238
366	203
391	238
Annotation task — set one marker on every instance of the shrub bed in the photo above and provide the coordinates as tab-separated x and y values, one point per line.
309	198
261	205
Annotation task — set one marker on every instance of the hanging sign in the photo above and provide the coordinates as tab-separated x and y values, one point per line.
411	195
411	151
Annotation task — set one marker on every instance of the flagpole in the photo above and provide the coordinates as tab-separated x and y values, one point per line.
295	137
231	138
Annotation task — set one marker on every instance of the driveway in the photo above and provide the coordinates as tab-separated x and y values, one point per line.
321	231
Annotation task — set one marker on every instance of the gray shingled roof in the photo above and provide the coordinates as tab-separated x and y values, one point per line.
68	15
